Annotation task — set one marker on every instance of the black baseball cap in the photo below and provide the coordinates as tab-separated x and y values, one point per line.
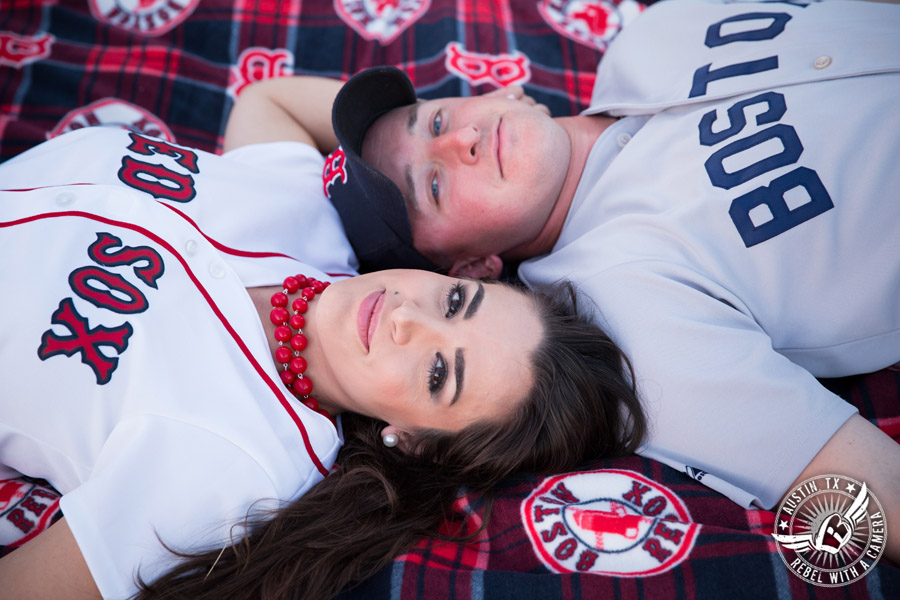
370	205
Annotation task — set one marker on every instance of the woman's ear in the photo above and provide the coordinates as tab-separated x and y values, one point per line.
393	437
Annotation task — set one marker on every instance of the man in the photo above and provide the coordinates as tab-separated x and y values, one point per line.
737	229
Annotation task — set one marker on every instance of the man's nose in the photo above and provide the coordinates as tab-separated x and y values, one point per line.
460	144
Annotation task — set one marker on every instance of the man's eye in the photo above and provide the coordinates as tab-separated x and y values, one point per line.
456	299
435	190
436	124
437	374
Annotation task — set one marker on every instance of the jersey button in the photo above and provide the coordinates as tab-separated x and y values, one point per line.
217	270
622	139
822	62
190	247
65	198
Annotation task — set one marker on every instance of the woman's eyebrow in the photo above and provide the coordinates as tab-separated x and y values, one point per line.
475	303
460	373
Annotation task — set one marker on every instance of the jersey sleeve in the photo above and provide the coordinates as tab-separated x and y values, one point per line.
278	155
156	482
723	406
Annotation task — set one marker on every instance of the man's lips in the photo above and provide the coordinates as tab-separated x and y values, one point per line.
497	147
367	317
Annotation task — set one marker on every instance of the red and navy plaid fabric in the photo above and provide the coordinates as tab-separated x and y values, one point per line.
173	67
729	553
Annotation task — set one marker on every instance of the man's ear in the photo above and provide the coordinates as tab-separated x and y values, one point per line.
404	443
482	267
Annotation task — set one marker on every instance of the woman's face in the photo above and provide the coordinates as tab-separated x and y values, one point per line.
420	350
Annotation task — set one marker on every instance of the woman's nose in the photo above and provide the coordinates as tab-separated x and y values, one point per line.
460	144
409	322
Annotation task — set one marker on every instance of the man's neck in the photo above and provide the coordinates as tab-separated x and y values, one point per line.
583	131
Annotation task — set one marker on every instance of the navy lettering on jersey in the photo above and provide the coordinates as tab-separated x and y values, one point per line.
150	146
773	27
790	153
777	21
157	180
782	217
84	340
737	120
110	291
102	252
704	76
764	212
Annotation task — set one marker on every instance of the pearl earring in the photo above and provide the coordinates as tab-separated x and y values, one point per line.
390	440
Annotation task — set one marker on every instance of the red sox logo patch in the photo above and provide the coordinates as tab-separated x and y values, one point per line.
146	17
19	50
592	22
609	521
112	111
334	170
26	509
381	20
257	64
498	69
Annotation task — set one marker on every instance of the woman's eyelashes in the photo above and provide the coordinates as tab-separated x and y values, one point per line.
437	374
456	299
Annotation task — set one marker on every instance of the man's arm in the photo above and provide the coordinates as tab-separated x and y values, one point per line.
862	451
284	109
49	566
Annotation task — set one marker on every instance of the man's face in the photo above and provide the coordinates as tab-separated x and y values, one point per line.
480	175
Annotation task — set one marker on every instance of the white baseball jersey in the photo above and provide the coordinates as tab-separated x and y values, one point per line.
137	377
258	198
739	233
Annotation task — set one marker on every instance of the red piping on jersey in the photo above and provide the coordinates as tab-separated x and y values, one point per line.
218	245
272	385
234	252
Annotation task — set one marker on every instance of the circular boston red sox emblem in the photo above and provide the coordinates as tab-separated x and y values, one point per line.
146	17
592	22
608	521
830	530
113	111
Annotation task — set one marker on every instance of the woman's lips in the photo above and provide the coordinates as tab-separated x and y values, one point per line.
367	317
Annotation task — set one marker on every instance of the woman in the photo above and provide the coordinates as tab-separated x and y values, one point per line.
380	501
479	379
142	375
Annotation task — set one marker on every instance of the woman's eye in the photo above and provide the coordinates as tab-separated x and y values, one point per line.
435	191
456	299
437	374
436	124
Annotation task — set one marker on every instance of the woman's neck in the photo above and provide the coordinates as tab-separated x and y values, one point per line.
316	370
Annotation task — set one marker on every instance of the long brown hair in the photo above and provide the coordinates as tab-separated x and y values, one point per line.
379	501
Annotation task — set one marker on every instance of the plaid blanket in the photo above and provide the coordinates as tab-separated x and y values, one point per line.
623	528
628	528
173	67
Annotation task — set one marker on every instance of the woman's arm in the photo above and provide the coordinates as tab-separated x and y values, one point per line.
284	109
49	566
862	451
